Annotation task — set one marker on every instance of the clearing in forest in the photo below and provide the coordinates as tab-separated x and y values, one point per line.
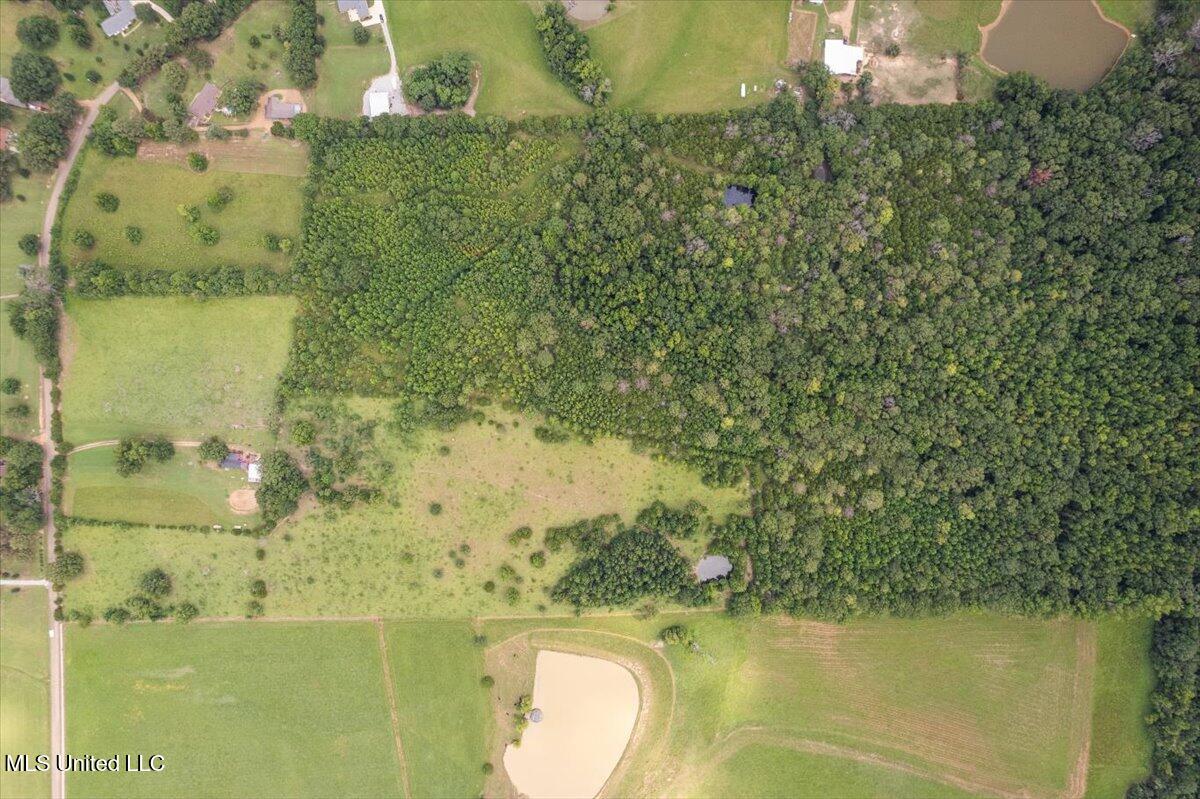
173	366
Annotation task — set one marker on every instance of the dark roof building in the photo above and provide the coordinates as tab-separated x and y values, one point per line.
278	109
203	104
121	16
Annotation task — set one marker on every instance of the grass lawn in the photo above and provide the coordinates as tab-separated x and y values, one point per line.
150	192
234	58
16	360
181	491
24	688
500	35
679	57
345	69
235	709
393	557
941	26
174	366
1130	13
783	707
1120	744
20	215
443	710
106	56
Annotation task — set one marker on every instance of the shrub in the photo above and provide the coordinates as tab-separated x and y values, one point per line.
185	612
488	768
361	35
18	411
107	202
538	559
205	234
435	508
190	213
487	681
220	198
304	432
198	162
92	76
566	49
38	32
258	589
155	583
117	615
254	608
34	78
520	534
213	449
83	239
441	84
489	586
66	567
134	234
77	31
255	42
892	50
10	386
29	244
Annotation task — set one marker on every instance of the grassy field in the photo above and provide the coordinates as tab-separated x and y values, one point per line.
235	709
174	366
443	711
1130	13
500	35
1120	745
393	557
777	707
345	69
20	215
16	360
234	58
150	192
677	57
181	491
931	28
24	688
106	56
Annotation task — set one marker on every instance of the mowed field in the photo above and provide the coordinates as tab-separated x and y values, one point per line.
345	69
149	194
499	34
24	688
174	366
235	709
20	215
17	360
694	56
183	490
394	557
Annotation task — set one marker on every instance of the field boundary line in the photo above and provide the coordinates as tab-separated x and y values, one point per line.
1081	728
393	712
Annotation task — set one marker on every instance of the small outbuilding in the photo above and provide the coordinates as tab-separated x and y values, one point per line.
279	109
203	104
843	58
254	472
121	16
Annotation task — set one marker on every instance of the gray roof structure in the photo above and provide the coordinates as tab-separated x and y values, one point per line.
6	94
359	6
122	16
278	109
203	104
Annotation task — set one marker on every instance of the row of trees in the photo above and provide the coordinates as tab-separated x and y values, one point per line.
303	44
567	52
21	514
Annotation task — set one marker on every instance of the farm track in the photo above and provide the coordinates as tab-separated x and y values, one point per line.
393	711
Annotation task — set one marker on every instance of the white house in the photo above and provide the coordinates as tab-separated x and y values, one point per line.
842	58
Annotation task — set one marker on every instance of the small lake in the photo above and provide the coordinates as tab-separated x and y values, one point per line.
1067	43
711	567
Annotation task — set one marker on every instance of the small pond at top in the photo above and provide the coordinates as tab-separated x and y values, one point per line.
739	195
711	567
1067	43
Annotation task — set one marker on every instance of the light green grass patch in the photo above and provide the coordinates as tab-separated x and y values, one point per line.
1130	13
950	26
678	57
24	688
500	35
151	191
345	69
22	214
16	360
174	366
443	709
234	58
184	490
393	557
235	709
1121	747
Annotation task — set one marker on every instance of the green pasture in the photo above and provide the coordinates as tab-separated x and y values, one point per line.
150	193
20	215
174	366
106	56
184	490
1130	13
681	57
235	709
1120	753
234	58
500	35
16	360
24	688
395	558
931	28
345	69
443	709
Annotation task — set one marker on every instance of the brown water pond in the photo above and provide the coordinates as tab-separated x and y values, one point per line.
1067	43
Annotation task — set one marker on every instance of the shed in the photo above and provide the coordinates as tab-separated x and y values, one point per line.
203	104
121	16
278	109
7	96
842	58
254	472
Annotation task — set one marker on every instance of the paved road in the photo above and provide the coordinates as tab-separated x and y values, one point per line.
58	702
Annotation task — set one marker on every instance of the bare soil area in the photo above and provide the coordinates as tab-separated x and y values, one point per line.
801	30
912	80
243	501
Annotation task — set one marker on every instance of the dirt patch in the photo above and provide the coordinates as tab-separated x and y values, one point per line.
243	501
586	10
802	28
911	80
259	153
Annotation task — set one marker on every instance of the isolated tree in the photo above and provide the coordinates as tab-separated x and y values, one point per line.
38	32
29	244
34	77
213	449
155	583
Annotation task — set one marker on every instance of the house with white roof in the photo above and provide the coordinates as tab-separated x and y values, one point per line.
843	58
120	16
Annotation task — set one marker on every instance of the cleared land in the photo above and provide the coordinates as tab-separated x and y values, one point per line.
149	194
18	216
258	154
500	35
1121	748
24	688
345	69
394	557
235	709
173	366
16	360
181	491
780	707
676	57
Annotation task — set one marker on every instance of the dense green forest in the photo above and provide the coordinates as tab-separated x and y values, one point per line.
952	347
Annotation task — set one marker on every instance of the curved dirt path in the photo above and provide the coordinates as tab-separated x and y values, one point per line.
112	442
844	19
